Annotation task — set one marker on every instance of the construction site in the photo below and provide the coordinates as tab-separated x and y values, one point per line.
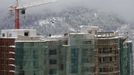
87	52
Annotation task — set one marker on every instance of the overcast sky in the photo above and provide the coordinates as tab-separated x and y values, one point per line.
124	8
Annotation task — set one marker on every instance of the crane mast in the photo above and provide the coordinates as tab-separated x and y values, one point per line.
17	16
17	10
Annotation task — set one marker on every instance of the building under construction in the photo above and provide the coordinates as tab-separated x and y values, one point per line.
80	54
7	56
126	56
107	54
99	53
114	54
7	49
39	56
89	52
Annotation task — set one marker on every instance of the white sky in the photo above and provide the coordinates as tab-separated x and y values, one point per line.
124	8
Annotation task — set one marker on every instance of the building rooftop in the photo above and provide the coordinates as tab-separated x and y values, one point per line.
35	39
14	33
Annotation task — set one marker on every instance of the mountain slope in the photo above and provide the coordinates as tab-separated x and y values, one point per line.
70	19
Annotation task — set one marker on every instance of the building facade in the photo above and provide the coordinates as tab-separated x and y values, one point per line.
126	61
40	57
7	48
30	58
104	53
80	54
107	54
7	56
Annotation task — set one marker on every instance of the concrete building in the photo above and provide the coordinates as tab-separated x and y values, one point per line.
107	54
80	54
89	52
7	48
126	58
39	56
14	33
7	56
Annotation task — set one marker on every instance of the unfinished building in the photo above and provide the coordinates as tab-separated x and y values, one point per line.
39	56
7	56
126	59
82	53
107	54
113	55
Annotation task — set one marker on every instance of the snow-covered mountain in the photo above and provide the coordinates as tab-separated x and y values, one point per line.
69	19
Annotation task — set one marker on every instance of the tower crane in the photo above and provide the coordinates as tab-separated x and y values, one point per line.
16	8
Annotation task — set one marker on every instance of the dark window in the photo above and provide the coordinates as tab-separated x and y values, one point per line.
101	70
110	59
104	50
3	35
74	60
89	31
100	59
22	73
26	33
107	59
52	52
52	71
87	42
116	51
61	66
52	61
104	69
100	50
35	64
